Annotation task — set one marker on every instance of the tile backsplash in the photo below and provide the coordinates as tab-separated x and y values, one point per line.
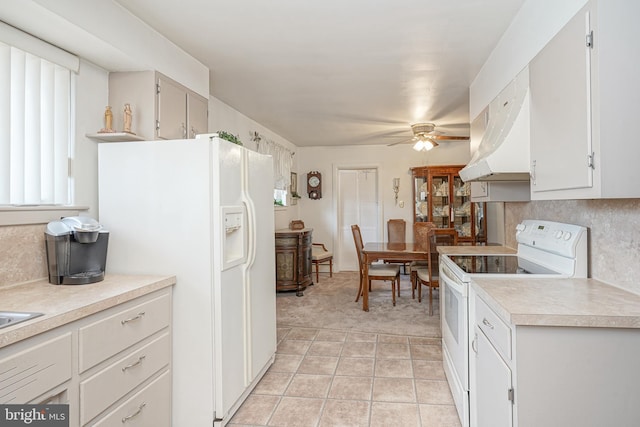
22	253
614	233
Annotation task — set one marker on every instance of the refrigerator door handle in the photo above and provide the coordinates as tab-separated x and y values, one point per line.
251	213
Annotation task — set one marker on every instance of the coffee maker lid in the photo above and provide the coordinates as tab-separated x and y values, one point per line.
70	224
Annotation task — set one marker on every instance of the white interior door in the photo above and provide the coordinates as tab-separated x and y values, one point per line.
357	204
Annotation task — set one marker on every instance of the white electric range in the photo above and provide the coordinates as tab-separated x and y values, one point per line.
545	249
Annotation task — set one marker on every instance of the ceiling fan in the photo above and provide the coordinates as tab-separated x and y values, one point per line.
425	136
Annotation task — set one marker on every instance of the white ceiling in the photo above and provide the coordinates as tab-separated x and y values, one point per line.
338	72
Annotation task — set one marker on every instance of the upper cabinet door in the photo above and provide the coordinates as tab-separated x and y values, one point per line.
561	132
197	108
172	110
584	103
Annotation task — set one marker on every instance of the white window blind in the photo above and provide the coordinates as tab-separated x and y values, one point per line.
35	129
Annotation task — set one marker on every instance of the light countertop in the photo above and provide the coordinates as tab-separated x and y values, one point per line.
559	302
62	304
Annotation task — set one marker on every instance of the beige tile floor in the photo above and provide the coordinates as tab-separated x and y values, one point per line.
326	377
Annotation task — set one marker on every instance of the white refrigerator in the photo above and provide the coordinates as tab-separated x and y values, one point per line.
201	210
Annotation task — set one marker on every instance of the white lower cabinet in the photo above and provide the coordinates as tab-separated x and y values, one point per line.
28	374
530	375
490	374
151	406
493	385
112	368
117	379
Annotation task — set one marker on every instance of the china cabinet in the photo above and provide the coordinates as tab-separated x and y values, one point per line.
293	260
441	197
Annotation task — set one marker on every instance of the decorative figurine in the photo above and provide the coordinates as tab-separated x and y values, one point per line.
108	121
127	118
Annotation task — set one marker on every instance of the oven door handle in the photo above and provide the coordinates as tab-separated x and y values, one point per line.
448	278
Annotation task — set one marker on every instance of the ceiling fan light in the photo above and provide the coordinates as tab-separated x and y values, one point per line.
419	146
428	145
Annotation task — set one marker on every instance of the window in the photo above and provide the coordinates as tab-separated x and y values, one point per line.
282	163
35	123
279	197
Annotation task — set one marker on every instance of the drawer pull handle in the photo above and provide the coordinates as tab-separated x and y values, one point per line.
487	323
134	364
135	414
131	319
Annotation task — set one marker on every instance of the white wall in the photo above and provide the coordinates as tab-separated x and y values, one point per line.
92	92
393	162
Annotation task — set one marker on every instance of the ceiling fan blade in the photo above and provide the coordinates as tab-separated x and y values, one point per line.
400	142
450	138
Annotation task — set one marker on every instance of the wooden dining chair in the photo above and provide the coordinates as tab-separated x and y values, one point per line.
396	232
376	271
421	233
320	255
430	276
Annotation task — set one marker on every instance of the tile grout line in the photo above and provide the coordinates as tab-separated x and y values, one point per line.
342	355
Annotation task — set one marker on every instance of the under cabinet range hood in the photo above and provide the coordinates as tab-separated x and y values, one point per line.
503	153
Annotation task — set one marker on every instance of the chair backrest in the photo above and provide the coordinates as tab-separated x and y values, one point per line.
357	239
421	231
445	236
396	229
440	237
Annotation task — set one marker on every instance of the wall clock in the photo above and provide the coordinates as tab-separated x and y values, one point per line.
314	185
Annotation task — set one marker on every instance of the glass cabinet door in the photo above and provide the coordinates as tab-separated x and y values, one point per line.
440	200
421	192
462	208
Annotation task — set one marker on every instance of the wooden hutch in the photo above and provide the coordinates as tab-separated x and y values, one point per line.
441	197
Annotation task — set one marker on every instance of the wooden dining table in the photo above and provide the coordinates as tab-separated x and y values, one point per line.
375	251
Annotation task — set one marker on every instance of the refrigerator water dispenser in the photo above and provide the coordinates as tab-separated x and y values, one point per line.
233	244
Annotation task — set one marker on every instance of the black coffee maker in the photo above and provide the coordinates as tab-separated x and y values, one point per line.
76	250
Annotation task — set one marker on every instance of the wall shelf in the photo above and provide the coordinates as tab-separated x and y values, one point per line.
114	137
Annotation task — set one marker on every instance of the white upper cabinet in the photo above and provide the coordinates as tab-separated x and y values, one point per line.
162	108
172	110
584	96
197	113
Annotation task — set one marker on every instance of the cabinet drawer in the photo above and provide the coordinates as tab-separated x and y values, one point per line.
109	336
116	380
494	328
149	407
286	241
30	373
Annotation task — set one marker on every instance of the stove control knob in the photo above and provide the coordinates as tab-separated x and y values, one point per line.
521	227
567	235
558	234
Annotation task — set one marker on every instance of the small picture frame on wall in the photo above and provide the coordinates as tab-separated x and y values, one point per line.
293	188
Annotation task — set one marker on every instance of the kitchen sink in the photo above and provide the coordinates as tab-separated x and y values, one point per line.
10	318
